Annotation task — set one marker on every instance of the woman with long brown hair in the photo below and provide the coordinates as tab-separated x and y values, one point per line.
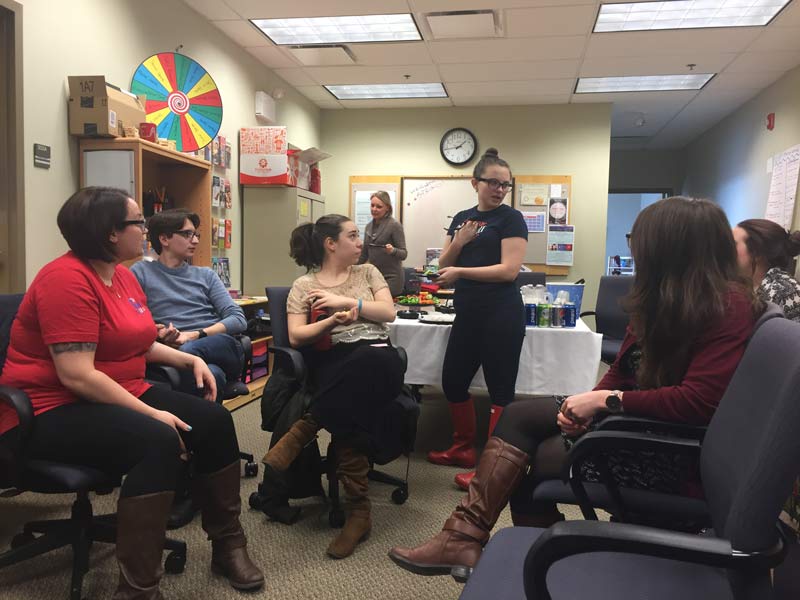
691	315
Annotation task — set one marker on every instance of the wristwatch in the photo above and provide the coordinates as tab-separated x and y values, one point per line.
614	402
201	334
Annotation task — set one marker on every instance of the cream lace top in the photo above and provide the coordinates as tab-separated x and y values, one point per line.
362	283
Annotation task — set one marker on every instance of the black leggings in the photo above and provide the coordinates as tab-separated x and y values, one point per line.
487	337
120	441
530	425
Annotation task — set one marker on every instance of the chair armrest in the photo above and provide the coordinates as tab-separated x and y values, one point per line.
587	313
164	373
21	403
247	347
643	424
577	537
401	352
291	359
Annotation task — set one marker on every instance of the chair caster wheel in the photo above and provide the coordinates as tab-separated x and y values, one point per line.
175	563
22	539
336	518
251	469
256	501
400	495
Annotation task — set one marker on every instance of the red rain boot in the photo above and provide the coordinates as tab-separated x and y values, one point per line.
462	452
462	479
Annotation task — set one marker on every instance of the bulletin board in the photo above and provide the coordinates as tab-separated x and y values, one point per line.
532	196
361	190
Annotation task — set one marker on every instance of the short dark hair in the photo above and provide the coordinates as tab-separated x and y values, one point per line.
167	222
88	218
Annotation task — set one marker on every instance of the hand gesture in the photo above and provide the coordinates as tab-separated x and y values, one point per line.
466	233
578	411
389	248
324	300
204	379
167	335
345	317
448	276
169	419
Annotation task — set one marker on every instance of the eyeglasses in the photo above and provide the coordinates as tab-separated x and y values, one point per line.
496	184
628	239
140	223
188	234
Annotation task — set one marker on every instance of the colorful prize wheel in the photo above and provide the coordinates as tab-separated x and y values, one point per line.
182	99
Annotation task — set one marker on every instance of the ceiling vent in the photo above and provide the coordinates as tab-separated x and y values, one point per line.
464	24
323	56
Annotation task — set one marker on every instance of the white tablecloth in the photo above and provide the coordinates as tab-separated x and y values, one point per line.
553	361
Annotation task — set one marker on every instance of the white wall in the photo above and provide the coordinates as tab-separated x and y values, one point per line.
729	162
111	38
536	140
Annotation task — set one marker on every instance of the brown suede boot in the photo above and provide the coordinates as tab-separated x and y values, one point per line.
352	468
281	455
141	530
457	548
217	494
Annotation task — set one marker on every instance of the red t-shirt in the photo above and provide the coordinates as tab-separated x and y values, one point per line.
68	302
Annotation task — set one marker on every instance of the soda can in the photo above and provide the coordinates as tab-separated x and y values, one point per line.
570	314
530	315
557	315
543	315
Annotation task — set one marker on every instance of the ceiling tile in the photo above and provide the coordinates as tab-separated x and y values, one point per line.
295	77
213	10
548	21
752	80
445	5
777	38
788	17
511	88
664	43
243	33
638	99
654	65
397	103
414	53
316	93
500	71
764	61
462	25
258	9
518	49
321	56
526	100
354	75
272	57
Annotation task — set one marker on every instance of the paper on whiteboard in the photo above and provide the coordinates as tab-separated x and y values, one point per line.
783	187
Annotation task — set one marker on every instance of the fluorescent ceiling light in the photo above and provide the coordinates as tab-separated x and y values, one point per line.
339	30
648	83
389	90
686	14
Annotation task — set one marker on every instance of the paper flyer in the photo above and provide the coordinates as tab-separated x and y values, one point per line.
560	245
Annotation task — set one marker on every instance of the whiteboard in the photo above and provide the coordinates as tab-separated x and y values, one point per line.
429	205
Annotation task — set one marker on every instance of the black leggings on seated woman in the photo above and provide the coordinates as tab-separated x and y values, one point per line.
120	441
530	425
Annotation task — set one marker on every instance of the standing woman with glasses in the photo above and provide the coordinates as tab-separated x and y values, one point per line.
385	242
78	348
482	255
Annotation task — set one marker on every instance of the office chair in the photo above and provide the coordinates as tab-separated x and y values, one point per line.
23	474
530	278
610	319
628	504
748	462
293	362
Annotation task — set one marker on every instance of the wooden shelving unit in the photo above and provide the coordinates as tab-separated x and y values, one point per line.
186	178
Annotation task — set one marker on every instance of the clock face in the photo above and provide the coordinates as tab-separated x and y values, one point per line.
458	146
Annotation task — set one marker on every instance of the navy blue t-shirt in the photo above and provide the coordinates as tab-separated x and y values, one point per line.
486	250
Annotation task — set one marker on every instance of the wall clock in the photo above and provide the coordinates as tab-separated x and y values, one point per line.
458	146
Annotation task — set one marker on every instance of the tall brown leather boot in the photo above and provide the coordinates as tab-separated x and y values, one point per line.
456	549
141	530
217	494
462	452
281	455
352	468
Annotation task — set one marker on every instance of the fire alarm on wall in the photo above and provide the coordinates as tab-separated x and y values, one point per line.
771	121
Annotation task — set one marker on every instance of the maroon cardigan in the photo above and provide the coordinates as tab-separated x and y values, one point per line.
715	354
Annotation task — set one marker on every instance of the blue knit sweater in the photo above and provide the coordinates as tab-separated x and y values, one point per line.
190	298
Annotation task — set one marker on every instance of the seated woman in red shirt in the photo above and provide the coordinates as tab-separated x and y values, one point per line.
78	348
691	314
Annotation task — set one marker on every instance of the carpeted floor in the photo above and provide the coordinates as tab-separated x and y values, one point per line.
292	557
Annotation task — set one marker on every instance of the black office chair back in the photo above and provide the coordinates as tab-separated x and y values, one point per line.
530	278
277	297
9	305
751	451
610	318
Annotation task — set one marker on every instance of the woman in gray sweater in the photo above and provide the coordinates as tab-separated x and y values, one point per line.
385	242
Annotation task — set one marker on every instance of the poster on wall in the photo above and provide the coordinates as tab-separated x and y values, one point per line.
533	194
560	245
783	187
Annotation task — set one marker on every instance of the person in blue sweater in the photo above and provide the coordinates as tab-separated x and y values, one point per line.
190	305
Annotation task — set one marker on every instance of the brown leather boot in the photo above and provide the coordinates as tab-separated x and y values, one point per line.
281	455
352	468
462	452
141	530
217	494
457	548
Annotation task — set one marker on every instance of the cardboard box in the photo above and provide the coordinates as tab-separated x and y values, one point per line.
98	108
266	159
